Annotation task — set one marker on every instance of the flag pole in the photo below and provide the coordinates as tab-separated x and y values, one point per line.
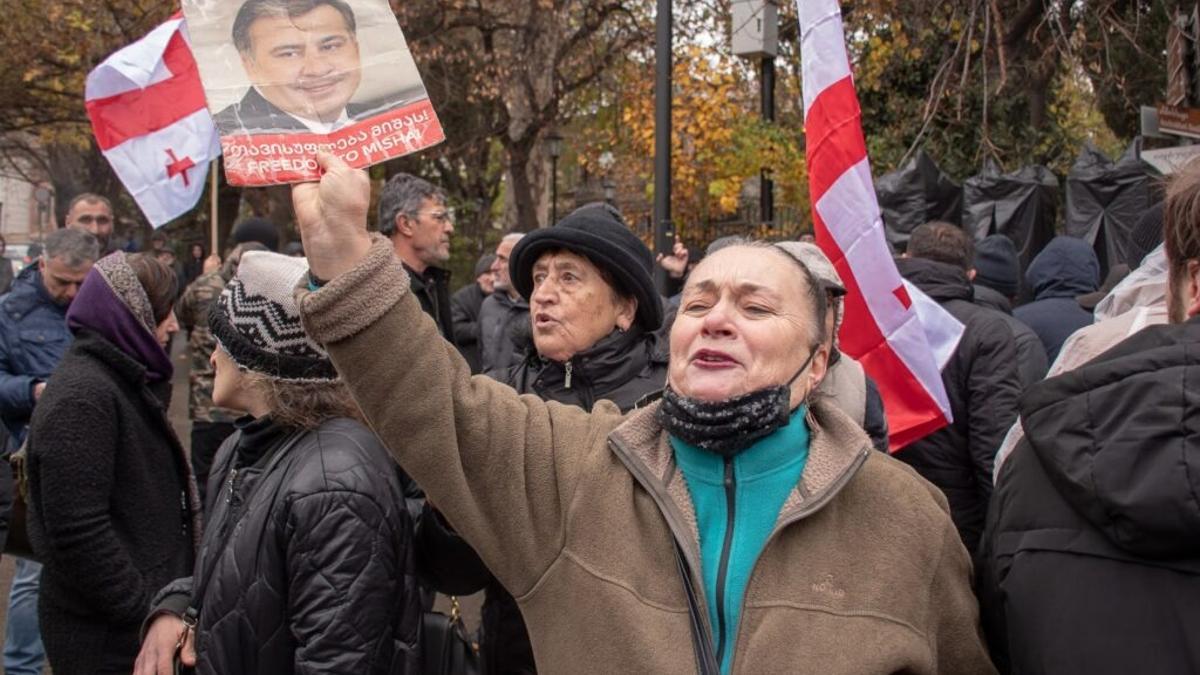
213	198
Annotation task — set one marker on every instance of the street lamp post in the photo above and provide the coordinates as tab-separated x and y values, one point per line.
756	36
554	144
662	138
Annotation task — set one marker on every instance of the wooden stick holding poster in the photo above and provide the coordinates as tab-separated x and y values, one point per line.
282	86
215	222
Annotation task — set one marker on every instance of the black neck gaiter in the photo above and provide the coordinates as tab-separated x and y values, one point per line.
728	427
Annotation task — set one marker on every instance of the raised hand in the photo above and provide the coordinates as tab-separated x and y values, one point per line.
676	263
332	216
211	264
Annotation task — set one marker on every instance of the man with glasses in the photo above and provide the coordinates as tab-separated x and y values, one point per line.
414	215
92	213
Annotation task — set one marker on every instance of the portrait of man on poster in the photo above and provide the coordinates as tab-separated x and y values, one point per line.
302	59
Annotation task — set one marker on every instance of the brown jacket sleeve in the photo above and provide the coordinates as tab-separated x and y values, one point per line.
956	638
500	467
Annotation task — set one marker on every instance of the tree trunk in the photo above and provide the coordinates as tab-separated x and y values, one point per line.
521	187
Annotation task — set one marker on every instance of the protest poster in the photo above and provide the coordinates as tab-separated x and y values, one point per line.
287	78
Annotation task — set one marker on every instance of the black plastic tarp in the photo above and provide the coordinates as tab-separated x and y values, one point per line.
1022	205
1105	200
915	194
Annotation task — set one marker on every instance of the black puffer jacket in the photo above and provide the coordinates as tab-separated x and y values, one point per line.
982	384
1091	561
623	368
1031	355
308	556
109	507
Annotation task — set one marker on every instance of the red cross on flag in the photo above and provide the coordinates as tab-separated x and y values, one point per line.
900	336
149	115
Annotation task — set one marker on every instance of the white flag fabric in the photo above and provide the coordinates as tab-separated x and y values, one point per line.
150	120
898	345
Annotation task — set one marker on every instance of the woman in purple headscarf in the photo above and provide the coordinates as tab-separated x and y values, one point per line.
113	511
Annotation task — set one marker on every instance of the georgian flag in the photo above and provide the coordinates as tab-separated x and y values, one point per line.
900	336
150	119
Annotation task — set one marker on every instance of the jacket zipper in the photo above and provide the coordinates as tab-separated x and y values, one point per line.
723	567
184	511
809	509
568	368
232	483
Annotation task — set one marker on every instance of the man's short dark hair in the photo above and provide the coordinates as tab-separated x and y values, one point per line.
89	197
253	10
404	193
944	243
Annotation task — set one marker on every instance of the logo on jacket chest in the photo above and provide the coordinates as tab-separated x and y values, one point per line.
827	587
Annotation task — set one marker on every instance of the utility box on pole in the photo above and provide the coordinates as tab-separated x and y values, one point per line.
755	28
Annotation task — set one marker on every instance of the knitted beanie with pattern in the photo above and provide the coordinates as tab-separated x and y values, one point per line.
256	321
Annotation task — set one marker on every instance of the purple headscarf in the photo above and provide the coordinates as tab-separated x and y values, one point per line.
112	302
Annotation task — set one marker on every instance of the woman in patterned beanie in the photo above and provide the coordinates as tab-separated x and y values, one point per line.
114	513
306	561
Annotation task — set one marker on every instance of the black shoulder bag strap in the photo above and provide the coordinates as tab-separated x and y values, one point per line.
706	661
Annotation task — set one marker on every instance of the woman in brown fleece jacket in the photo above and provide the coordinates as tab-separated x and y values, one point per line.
580	514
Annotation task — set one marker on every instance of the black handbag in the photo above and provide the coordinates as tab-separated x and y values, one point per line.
446	647
17	543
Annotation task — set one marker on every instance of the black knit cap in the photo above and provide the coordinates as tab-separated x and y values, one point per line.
255	229
597	233
997	265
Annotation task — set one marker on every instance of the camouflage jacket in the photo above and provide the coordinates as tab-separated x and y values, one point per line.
192	311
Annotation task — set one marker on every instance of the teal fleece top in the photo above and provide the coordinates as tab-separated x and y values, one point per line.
761	478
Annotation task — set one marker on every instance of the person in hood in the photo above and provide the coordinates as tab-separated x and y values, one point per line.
981	380
1091	560
1140	300
306	562
995	277
595	316
1066	269
113	510
738	524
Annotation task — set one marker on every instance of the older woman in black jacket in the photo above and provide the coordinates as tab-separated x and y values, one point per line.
594	314
113	509
306	561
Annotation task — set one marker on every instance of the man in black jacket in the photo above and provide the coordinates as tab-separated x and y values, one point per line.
414	215
980	378
503	318
464	310
1091	560
996	277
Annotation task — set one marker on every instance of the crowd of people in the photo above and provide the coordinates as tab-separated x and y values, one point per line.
691	479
